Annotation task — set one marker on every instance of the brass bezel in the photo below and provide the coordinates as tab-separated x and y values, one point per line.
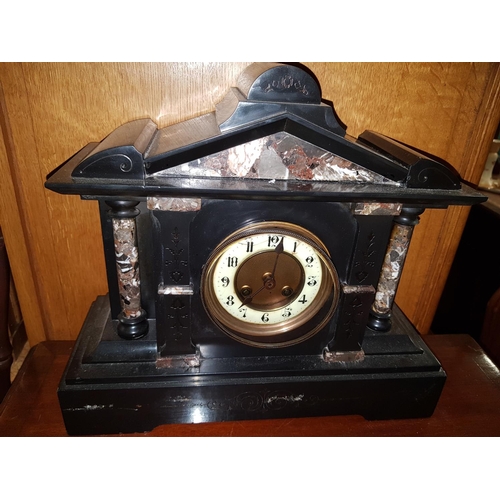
278	334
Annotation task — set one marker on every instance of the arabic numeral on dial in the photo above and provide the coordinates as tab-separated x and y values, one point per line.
309	261
244	311
232	262
230	300
249	246
312	281
265	318
303	299
225	281
272	241
287	312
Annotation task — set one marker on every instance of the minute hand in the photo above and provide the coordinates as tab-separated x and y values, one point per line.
269	281
279	250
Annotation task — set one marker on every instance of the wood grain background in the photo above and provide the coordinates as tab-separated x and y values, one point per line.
48	111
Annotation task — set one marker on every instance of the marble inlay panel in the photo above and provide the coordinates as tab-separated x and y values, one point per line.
127	266
174	204
392	268
377	208
275	157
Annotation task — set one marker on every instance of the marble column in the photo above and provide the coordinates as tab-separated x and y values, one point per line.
133	322
392	268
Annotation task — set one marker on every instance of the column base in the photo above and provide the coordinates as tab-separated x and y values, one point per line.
379	322
124	388
133	328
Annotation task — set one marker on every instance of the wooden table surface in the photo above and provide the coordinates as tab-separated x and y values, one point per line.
469	405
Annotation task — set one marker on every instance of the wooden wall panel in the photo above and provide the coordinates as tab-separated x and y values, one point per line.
52	110
451	110
438	236
15	231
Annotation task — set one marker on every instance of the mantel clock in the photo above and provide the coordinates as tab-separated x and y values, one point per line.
252	255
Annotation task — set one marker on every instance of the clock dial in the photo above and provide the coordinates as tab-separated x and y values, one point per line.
265	284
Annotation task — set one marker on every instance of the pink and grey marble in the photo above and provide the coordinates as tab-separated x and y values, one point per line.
127	267
174	204
392	268
275	157
377	208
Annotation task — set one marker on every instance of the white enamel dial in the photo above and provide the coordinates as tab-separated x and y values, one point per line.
269	305
265	283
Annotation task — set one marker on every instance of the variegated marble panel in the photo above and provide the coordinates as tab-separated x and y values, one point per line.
127	266
278	156
392	268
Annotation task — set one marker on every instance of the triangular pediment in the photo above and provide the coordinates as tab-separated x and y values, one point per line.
270	136
279	156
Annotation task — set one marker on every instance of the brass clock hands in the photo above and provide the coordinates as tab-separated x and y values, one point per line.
258	286
249	299
279	250
269	282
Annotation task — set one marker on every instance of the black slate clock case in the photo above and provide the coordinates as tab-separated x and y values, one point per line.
203	237
149	352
